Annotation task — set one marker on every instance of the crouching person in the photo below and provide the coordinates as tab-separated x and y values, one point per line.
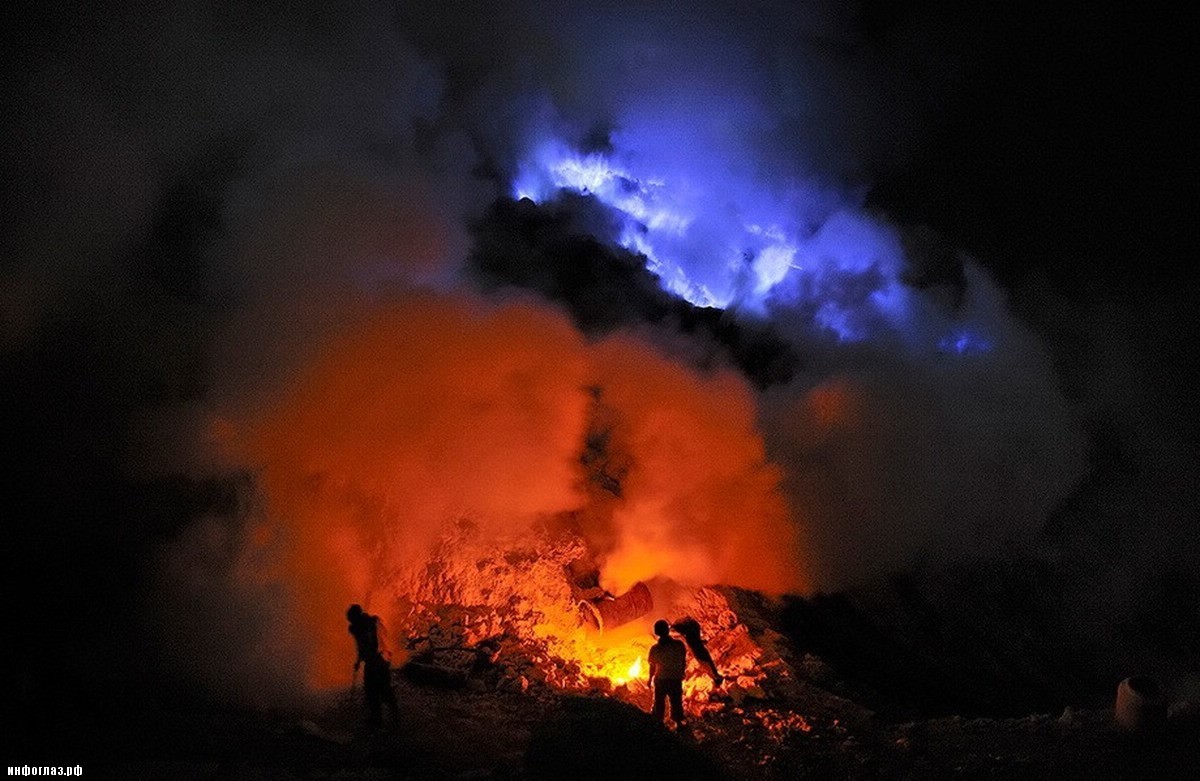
690	629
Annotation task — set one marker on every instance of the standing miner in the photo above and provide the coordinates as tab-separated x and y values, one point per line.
667	660
377	672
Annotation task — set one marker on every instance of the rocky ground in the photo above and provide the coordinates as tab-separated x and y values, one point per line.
893	683
461	734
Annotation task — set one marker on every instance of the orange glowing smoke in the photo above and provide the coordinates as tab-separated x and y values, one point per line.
701	500
442	409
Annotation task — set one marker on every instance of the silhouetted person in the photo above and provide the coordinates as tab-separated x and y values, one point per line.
667	660
377	671
690	629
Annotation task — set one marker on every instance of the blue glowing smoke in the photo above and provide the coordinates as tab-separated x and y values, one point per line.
961	342
718	239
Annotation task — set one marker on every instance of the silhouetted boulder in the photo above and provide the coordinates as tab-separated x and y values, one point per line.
593	738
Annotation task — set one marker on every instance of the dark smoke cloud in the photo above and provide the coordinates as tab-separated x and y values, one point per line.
200	194
555	251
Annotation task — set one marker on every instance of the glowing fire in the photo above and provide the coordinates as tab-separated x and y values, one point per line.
518	605
621	676
397	474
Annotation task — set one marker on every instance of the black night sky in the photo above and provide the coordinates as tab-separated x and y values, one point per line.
202	201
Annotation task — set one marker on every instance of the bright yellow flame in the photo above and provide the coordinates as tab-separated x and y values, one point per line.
621	664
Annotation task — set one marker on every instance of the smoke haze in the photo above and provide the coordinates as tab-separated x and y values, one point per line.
260	343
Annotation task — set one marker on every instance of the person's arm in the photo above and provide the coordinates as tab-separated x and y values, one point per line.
651	666
358	649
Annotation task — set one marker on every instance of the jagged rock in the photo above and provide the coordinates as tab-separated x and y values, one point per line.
515	683
516	612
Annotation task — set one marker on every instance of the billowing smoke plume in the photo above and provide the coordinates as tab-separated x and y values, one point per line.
901	457
254	239
436	410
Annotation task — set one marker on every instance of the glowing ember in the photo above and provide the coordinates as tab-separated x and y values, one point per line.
467	596
610	664
634	672
516	609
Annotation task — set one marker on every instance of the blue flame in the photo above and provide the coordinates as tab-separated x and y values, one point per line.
714	246
721	239
962	342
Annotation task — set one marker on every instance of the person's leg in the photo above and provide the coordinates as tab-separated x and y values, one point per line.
389	697
676	693
373	686
660	700
374	708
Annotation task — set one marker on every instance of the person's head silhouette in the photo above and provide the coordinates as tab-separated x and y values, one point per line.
662	628
354	612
